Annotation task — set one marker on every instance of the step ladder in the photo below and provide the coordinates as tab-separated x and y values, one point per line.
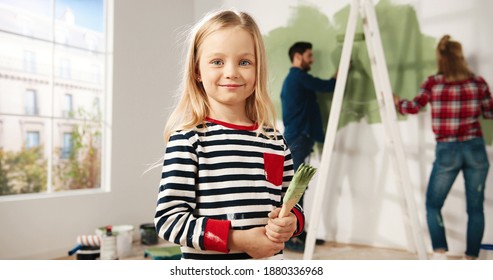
365	10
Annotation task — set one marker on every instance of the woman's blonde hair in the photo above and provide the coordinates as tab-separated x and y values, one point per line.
193	107
451	61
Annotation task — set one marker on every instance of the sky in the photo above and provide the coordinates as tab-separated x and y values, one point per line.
88	13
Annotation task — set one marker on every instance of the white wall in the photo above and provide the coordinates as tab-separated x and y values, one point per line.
146	59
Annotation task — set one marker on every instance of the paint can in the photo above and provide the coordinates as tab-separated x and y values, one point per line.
88	253
148	235
123	235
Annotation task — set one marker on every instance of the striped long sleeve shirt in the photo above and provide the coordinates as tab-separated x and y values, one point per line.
219	177
455	107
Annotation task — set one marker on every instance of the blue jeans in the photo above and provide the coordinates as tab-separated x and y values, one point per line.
452	157
301	147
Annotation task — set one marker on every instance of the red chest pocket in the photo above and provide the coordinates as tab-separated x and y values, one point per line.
274	168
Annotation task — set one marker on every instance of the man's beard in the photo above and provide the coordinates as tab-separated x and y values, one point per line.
305	66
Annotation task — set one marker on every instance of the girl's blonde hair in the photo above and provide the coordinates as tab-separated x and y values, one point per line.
193	107
451	61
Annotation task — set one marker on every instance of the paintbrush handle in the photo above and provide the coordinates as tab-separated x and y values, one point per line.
287	207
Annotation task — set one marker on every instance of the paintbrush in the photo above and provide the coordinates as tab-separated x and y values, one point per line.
296	188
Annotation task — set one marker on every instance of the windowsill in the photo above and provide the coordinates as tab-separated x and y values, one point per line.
37	196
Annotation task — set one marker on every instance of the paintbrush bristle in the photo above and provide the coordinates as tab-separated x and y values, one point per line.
299	182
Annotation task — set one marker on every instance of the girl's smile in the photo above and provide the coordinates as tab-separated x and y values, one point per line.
232	85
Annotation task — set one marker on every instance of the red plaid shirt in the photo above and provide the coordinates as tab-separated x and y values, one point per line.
455	106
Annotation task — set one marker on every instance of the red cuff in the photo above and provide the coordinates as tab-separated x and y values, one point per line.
216	235
300	217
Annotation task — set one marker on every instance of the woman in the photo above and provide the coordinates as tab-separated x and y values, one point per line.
458	98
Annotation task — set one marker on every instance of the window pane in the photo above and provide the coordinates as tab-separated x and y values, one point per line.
80	24
74	75
31	102
68	106
29	18
32	139
23	165
78	65
78	157
25	75
29	62
67	145
52	94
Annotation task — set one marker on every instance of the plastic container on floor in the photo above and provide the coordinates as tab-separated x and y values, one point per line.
124	239
148	235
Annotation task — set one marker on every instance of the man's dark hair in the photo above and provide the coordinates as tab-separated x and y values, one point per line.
299	47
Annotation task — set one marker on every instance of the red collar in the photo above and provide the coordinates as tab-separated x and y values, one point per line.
233	126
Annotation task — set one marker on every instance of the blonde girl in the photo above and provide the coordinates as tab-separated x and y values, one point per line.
193	106
225	166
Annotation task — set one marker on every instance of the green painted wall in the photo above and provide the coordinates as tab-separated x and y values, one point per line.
410	58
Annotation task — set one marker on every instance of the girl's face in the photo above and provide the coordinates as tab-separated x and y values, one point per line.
227	69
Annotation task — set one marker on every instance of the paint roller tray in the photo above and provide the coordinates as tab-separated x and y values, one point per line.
163	253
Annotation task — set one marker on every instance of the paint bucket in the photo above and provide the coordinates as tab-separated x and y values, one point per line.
88	253
486	252
148	235
108	247
124	239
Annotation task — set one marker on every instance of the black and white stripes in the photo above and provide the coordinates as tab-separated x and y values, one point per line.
218	172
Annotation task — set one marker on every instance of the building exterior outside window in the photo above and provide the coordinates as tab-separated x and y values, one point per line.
29	62
32	139
67	145
31	102
68	105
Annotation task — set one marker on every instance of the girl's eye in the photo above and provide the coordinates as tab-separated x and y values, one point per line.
245	63
216	62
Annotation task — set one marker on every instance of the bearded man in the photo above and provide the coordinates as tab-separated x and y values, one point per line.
301	114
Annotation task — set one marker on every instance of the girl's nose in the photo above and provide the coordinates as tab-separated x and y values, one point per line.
231	71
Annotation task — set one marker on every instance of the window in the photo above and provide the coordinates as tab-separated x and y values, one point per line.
54	59
68	106
31	102
67	145
32	139
64	68
29	62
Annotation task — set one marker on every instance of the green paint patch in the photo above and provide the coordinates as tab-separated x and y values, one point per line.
410	57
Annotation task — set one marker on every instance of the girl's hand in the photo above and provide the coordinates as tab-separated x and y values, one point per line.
254	242
280	229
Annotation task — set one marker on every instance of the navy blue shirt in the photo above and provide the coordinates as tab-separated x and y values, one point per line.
300	110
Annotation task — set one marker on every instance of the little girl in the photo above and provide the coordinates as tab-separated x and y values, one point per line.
226	167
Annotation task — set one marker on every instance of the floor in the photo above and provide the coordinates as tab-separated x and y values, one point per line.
328	251
337	251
